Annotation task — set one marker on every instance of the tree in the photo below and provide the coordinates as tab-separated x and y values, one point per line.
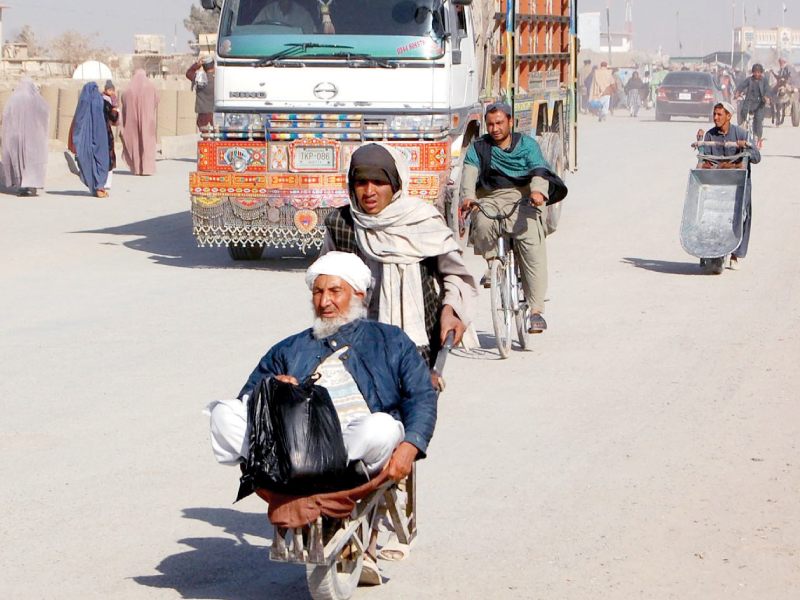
73	48
201	21
27	37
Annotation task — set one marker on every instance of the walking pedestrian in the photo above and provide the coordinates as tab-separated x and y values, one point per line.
602	89
26	119
636	90
139	110
88	140
111	114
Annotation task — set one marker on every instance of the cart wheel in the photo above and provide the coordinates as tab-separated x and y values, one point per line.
245	252
337	581
716	265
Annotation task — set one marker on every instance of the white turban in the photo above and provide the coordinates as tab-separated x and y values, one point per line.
341	264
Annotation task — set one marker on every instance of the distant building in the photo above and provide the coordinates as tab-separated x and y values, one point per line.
768	45
592	40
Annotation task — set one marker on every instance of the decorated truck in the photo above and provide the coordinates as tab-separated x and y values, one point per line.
300	84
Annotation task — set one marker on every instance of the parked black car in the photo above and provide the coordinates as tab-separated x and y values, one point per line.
687	94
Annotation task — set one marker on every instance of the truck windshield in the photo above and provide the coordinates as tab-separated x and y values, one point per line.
379	28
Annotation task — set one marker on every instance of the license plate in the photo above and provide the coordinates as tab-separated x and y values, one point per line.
314	158
684	96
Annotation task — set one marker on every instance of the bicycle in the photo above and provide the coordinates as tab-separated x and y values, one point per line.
507	297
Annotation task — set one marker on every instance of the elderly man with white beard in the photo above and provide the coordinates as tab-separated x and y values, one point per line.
378	382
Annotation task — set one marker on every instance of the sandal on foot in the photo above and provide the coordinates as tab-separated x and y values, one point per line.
393	550
370	573
537	323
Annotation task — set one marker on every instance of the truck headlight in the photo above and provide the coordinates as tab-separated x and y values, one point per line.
241	120
237	120
419	122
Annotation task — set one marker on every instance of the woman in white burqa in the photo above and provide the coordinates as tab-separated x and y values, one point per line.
26	120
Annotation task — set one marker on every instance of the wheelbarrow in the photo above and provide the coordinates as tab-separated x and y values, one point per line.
713	211
330	532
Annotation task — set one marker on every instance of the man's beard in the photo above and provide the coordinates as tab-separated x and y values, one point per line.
327	327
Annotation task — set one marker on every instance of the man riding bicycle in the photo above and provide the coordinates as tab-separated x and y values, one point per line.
500	169
755	90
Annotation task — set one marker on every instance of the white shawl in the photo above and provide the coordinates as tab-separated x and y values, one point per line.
400	237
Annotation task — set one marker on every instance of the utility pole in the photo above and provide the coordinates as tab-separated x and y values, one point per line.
608	28
733	30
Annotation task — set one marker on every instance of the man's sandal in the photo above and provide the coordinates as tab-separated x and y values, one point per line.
370	573
393	550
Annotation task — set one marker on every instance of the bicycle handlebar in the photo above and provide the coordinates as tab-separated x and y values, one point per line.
500	216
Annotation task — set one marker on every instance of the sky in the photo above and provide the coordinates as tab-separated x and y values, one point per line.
703	25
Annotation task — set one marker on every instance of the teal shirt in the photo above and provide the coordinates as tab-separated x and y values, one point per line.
519	162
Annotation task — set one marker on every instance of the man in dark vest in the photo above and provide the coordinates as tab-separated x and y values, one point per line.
422	284
501	168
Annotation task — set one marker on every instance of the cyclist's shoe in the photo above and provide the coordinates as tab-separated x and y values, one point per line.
537	323
486	280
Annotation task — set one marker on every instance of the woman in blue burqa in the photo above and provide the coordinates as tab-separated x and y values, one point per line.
89	140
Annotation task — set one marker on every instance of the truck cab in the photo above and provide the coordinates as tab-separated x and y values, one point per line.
300	84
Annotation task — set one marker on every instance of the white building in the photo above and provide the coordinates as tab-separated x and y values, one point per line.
768	45
592	40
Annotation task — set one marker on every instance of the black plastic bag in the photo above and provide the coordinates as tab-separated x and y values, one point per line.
296	444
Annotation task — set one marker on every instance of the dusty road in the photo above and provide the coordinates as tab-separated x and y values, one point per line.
645	447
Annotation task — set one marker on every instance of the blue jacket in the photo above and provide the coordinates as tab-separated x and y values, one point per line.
384	362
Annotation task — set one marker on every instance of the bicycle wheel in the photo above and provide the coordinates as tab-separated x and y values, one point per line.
522	312
501	308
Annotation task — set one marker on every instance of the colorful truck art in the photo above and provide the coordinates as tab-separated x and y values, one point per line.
252	193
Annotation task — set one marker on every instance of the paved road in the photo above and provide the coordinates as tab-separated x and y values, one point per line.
645	447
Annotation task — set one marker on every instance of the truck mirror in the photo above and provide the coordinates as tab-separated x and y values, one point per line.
210	4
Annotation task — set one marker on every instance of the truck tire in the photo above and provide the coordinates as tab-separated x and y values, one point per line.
796	113
237	252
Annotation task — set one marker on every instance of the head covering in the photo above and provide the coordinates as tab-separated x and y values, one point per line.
109	85
727	106
758	67
139	110
604	64
372	162
501	106
346	265
208	63
89	137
